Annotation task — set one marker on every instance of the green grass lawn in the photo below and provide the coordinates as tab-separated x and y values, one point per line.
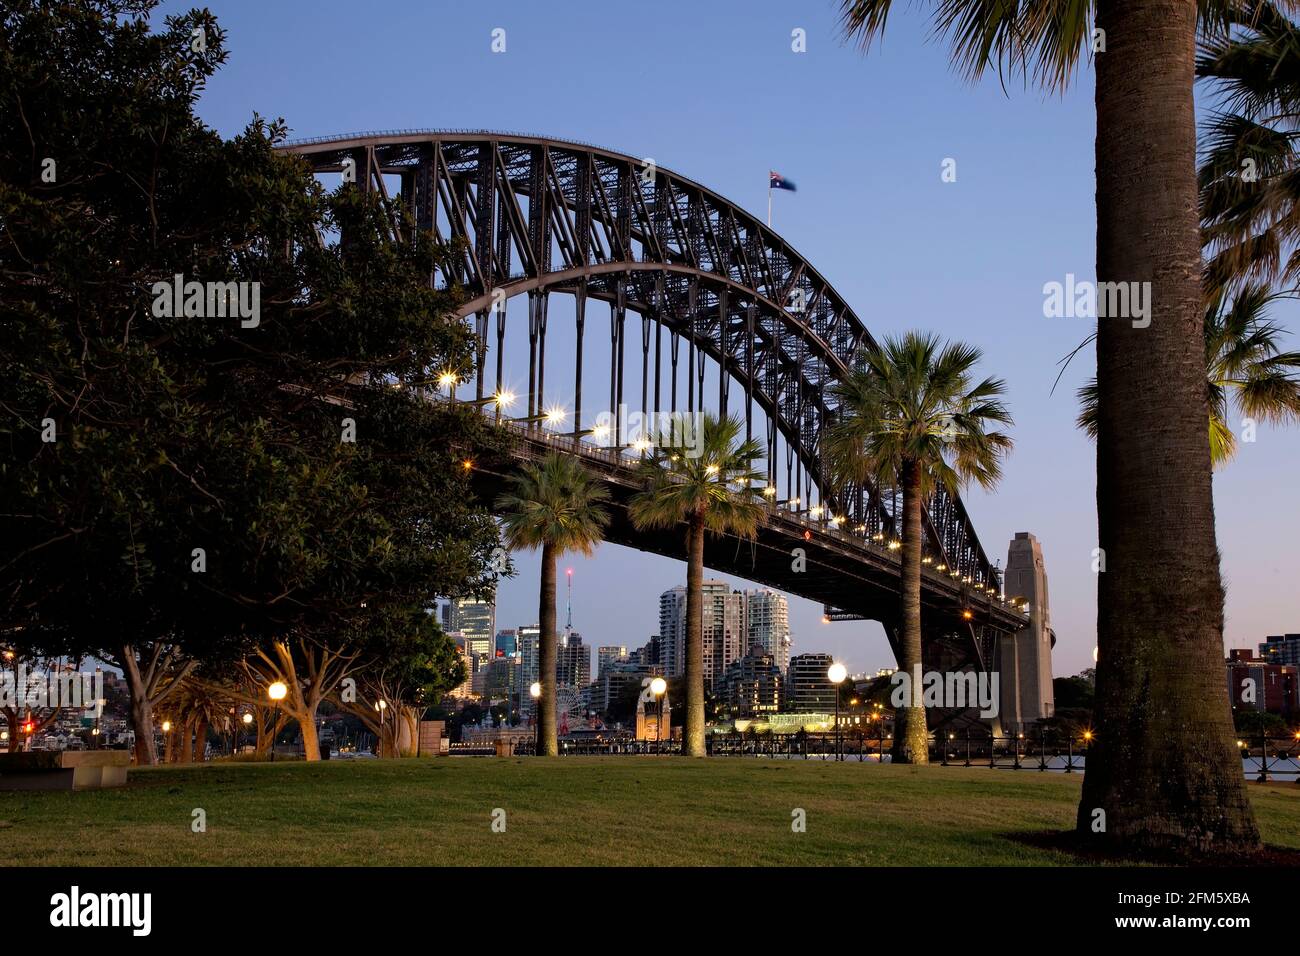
572	810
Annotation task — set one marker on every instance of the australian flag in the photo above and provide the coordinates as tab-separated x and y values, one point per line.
777	181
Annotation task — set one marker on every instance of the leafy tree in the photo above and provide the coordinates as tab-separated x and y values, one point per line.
1163	767
1245	362
407	674
715	490
183	487
913	417
1248	183
557	506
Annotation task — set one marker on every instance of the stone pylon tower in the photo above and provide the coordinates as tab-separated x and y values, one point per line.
1025	657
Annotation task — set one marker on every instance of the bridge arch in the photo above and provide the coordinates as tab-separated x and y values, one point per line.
533	216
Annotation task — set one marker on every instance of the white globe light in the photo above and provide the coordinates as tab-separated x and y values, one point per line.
658	686
535	690
837	673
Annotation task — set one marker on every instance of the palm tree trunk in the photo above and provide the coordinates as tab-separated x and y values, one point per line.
548	745
693	735
1163	771
200	740
911	736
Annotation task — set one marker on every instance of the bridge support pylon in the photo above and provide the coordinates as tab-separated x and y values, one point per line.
1025	656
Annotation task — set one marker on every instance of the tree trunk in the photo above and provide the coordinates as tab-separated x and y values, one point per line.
693	732
307	726
911	735
146	754
265	730
200	740
1162	769
548	744
181	736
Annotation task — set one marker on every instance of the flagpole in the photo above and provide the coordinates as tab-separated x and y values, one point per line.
769	202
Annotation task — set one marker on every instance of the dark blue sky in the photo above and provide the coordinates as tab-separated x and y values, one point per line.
713	91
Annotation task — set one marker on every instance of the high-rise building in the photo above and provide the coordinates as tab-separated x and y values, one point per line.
507	642
767	624
810	689
751	685
501	680
650	653
724	629
573	661
609	655
527	638
1281	649
475	620
466	690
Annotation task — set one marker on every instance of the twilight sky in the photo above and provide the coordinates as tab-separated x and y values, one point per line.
713	91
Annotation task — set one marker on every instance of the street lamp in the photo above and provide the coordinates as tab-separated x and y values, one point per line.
277	692
381	705
836	675
657	687
535	691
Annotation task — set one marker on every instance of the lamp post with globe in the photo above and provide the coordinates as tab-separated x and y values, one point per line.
836	675
658	687
277	692
535	691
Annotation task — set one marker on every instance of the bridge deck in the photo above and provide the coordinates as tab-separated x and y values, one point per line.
840	569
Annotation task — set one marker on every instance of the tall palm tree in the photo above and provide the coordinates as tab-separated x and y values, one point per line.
715	490
912	417
1250	190
1163	769
1243	361
556	506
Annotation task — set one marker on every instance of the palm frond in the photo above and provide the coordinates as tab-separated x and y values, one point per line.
555	502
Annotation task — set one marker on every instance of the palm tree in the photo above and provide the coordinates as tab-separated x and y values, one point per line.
557	506
715	490
1249	188
912	417
1243	360
1163	768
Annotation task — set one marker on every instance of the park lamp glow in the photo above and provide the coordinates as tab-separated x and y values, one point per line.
769	491
711	469
535	691
166	726
277	691
658	686
837	673
448	379
247	718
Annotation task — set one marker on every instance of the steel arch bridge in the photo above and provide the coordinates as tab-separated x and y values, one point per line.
531	216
